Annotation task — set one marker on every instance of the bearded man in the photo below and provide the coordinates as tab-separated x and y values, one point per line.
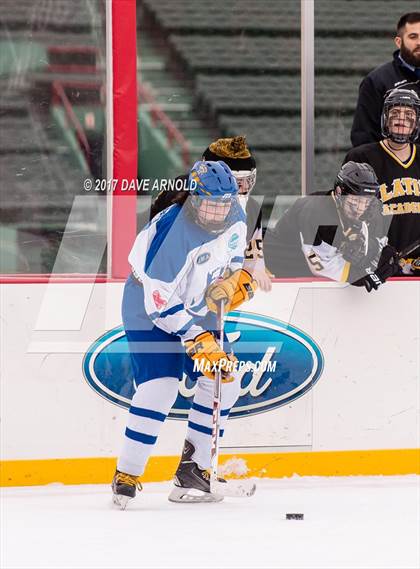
402	72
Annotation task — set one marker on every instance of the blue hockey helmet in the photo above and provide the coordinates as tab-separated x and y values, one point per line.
212	180
214	191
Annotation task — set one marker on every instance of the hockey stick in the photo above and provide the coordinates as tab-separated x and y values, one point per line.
217	402
235	488
407	250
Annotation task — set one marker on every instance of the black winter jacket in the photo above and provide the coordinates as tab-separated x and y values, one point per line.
367	118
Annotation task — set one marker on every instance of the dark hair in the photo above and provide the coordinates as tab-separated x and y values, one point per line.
409	18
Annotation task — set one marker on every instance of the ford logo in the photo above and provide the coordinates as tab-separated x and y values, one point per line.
281	363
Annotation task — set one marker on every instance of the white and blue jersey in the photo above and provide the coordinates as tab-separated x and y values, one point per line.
176	260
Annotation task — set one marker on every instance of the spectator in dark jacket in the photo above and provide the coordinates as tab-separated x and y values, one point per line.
403	71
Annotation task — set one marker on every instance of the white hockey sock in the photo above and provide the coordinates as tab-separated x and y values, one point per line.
200	416
149	407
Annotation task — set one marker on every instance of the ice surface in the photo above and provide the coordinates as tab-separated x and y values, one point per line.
354	522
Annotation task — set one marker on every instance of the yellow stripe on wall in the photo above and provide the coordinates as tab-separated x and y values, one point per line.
268	465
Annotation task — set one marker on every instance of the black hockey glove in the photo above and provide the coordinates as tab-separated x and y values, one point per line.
358	248
353	249
388	266
354	246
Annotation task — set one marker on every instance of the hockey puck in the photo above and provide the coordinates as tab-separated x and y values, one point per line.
294	516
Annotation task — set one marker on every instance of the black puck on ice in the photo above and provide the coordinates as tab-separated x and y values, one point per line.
294	516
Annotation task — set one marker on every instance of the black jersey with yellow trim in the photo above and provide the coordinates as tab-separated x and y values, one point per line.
306	241
399	190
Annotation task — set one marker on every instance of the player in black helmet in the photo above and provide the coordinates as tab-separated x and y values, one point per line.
396	161
338	234
400	119
355	186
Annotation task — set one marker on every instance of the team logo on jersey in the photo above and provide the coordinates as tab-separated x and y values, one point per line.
233	241
158	300
202	169
203	258
285	363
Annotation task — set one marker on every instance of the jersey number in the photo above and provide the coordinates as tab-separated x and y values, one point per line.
315	262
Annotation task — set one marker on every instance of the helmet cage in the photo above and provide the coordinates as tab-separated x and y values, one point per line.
403	99
359	195
246	180
355	207
210	213
210	202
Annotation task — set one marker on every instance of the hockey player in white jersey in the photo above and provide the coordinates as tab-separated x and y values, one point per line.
184	261
234	152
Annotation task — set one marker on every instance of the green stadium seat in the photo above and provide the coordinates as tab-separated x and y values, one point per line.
60	15
250	94
283	133
360	16
23	135
264	16
343	17
276	55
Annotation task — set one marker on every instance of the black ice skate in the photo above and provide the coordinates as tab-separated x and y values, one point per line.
191	483
124	487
